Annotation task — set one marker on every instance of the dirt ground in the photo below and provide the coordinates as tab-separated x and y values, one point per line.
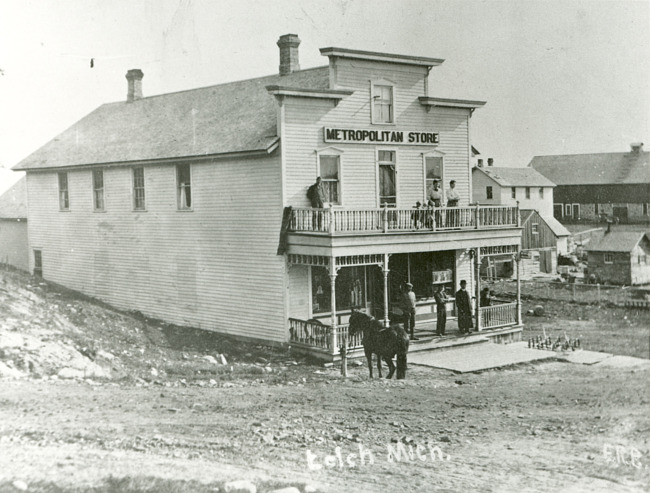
163	417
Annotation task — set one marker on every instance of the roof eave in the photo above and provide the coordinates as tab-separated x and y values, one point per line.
332	94
450	103
381	57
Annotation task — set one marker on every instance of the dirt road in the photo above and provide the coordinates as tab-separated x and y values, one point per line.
544	427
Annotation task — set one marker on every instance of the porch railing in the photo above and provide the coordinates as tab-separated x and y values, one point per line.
500	315
385	220
316	334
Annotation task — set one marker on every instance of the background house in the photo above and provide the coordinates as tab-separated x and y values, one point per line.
13	226
620	257
592	187
512	186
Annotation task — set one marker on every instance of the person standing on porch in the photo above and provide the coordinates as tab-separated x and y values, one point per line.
464	309
441	309
409	311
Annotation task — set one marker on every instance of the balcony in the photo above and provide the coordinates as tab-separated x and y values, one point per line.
390	220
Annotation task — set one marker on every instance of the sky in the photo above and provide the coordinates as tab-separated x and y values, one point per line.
559	77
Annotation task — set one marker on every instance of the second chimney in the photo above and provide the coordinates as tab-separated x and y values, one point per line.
134	78
288	44
490	161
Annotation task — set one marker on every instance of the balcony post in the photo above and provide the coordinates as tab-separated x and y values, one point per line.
384	217
477	216
518	216
518	260
330	215
333	323
477	258
385	271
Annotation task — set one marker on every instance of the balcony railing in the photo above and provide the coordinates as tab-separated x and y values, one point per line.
496	316
388	220
315	334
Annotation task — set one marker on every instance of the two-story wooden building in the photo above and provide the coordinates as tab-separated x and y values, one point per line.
192	206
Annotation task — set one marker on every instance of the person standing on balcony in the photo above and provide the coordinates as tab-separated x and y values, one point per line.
316	195
452	195
434	194
464	309
409	311
441	309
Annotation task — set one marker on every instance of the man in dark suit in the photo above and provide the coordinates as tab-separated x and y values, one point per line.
441	309
464	309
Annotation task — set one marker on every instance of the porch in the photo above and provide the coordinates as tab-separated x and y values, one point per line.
499	323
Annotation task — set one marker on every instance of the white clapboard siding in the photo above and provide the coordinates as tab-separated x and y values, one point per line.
303	135
299	293
13	243
215	267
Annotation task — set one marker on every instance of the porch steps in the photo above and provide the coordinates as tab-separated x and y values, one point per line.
446	343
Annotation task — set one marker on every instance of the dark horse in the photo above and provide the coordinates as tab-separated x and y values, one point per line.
385	342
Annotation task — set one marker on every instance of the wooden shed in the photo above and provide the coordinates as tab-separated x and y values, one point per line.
620	257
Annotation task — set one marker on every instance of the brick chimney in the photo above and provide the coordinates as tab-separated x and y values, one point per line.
480	163
134	78
490	161
636	148
288	44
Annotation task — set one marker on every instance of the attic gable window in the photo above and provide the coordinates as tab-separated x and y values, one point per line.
184	187
64	197
382	103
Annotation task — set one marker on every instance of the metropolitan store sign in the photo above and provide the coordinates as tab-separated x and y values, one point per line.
364	136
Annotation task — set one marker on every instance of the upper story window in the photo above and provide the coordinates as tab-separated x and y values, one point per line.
98	189
330	167
64	196
184	186
386	161
488	193
541	192
528	192
138	189
383	108
609	258
513	192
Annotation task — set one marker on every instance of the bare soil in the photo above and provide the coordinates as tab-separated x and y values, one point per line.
165	418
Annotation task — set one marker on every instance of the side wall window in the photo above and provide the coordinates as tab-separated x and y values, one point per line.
488	192
184	186
98	189
64	196
513	192
138	189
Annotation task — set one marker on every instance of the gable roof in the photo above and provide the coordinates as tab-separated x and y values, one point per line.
515	177
222	119
595	169
618	241
553	224
13	203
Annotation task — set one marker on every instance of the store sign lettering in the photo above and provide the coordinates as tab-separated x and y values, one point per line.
362	136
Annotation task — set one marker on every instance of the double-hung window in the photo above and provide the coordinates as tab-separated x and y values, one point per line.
184	187
64	196
98	189
513	192
383	104
138	189
528	192
488	193
609	258
330	167
541	192
386	161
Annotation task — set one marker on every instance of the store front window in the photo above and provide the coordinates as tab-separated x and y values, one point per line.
425	270
351	289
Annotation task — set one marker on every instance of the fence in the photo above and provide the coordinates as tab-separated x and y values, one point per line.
500	315
572	292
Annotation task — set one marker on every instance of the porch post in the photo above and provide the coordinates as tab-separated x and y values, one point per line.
478	288
518	260
385	271
333	323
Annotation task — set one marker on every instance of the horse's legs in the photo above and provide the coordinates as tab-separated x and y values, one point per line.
379	365
391	366
401	366
369	358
